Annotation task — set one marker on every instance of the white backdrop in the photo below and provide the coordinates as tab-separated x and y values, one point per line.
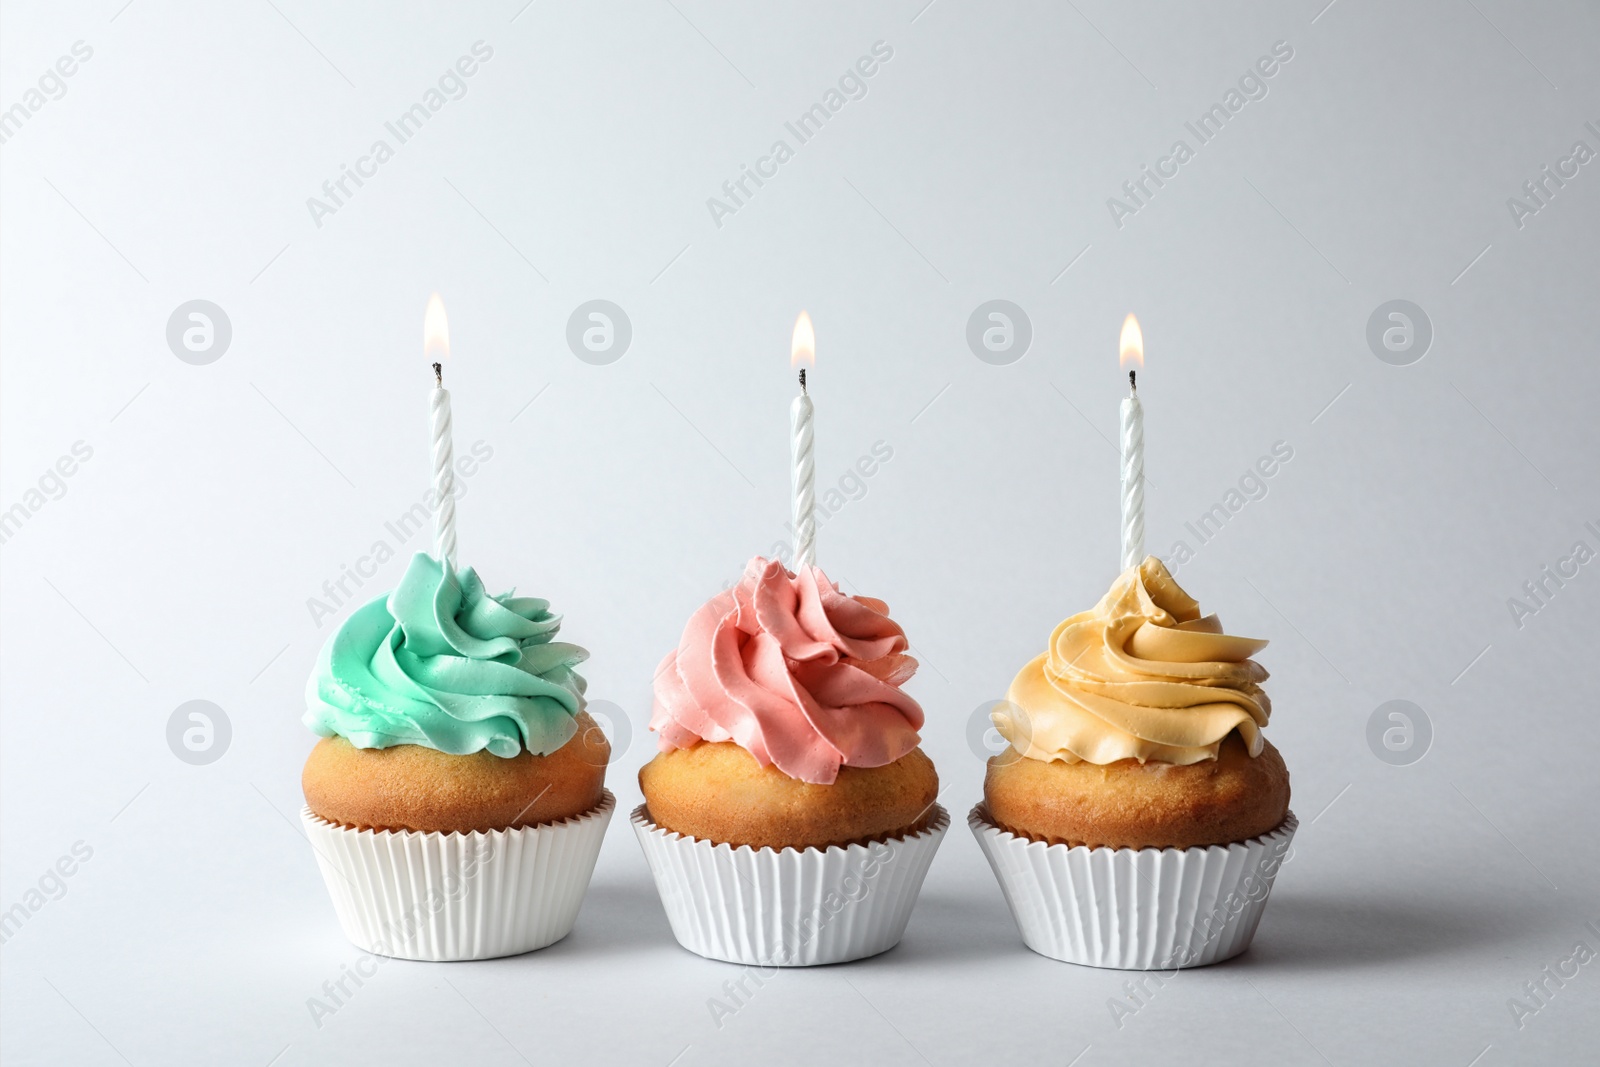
212	493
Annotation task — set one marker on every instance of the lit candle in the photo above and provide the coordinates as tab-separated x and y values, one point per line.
436	341
1132	345
803	471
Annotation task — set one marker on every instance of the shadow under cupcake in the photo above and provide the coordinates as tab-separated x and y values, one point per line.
1138	818
789	818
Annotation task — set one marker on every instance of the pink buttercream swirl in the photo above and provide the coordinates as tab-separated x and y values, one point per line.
800	675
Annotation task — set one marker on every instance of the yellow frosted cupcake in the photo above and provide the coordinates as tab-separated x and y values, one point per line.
1139	816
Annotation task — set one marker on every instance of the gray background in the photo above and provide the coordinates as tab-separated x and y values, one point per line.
178	562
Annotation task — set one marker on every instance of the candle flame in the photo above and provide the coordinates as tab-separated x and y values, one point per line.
435	331
803	347
1132	344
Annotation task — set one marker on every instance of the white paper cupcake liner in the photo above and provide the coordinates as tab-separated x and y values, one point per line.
789	907
1135	909
455	896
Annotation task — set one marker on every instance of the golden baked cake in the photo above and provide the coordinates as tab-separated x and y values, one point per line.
716	791
456	801
1139	727
413	787
790	816
782	723
1138	818
443	709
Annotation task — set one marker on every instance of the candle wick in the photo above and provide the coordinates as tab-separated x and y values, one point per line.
1133	380
438	376
802	379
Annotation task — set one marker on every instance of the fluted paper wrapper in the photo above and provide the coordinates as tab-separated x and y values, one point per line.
1135	909
788	907
455	896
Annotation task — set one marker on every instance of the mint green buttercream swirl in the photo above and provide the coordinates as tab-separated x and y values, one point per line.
439	662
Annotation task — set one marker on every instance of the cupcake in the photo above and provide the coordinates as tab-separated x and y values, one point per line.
1139	817
457	799
789	816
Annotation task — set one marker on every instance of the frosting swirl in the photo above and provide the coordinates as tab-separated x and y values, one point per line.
440	663
1140	676
800	675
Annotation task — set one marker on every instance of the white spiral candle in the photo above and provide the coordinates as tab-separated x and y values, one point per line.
1132	478
803	479
444	475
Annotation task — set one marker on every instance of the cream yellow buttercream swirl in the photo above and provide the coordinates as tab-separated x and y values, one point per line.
1143	675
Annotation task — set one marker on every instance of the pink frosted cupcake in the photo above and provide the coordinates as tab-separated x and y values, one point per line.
790	817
